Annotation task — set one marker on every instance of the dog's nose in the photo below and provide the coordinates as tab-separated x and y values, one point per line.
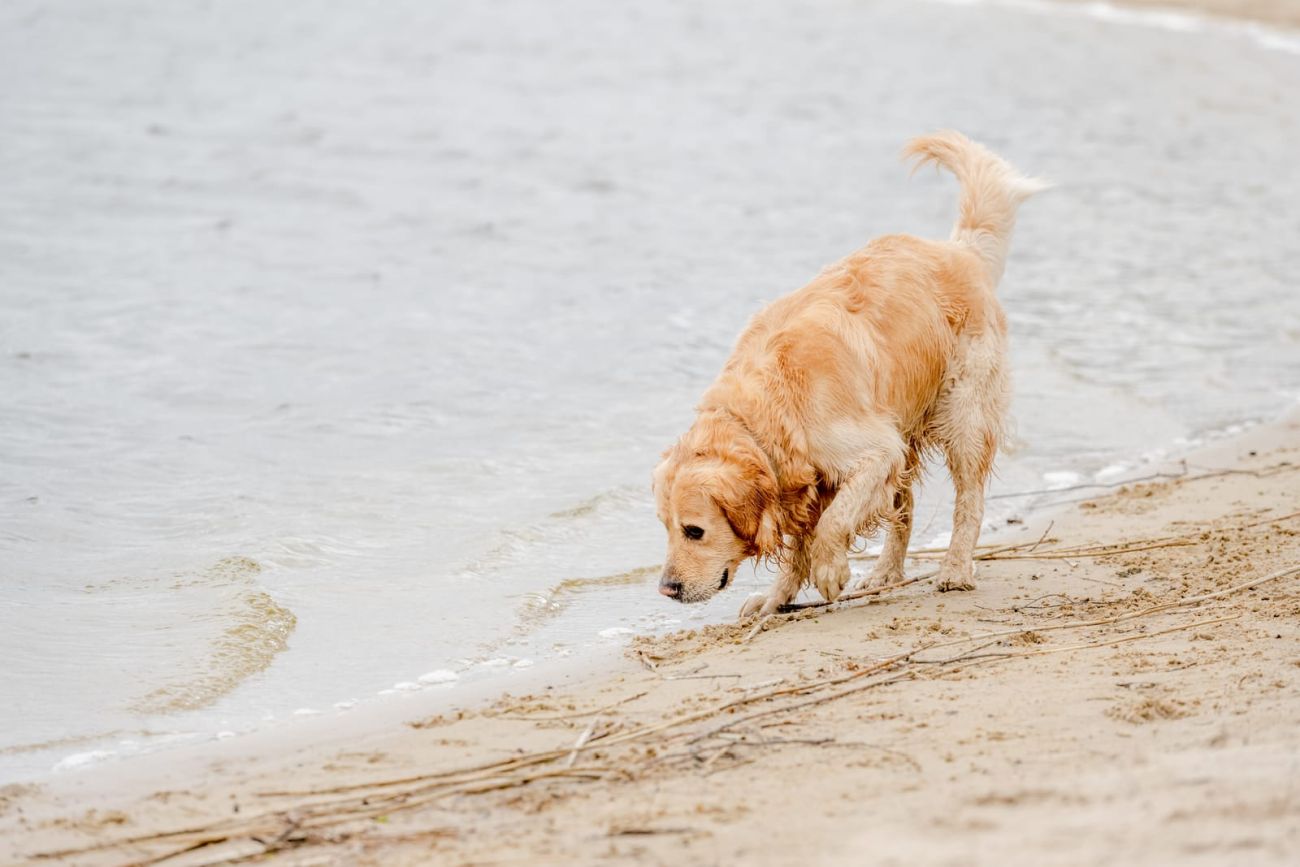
671	589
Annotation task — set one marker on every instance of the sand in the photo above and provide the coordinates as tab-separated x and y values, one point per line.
1163	734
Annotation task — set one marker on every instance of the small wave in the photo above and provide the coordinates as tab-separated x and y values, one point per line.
538	608
60	743
257	629
519	544
593	504
1176	20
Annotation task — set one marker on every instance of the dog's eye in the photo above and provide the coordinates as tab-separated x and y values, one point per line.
693	532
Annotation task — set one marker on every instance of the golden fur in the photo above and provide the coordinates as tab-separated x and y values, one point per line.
812	433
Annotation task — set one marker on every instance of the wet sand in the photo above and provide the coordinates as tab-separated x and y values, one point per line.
1078	707
1282	13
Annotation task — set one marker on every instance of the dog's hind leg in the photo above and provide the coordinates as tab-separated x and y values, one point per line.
970	423
970	471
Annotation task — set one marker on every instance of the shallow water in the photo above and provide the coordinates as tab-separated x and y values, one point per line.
337	348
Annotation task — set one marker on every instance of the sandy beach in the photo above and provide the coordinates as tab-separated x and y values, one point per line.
1120	688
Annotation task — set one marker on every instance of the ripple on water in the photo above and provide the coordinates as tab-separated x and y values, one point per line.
253	629
538	608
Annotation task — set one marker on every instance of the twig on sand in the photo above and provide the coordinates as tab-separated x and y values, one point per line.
856	594
647	831
821	699
1034	547
708	763
1033	603
847	597
575	715
758	627
581	742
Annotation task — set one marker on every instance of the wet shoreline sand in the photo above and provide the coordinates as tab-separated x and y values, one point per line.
1279	13
1081	705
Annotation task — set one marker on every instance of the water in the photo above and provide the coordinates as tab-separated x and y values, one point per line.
337	345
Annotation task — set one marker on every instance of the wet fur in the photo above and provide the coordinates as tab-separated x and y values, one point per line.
814	431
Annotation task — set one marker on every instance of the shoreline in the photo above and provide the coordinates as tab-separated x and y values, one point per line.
1275	13
1054	737
1031	508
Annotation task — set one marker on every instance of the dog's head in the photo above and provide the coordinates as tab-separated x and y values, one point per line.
719	507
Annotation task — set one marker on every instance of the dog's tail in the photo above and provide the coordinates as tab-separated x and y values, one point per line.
991	191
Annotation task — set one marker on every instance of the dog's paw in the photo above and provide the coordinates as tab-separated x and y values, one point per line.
955	578
830	571
879	577
753	605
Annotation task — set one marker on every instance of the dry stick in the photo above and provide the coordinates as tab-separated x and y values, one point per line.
578	715
582	740
215	840
985	555
713	758
800	704
982	550
1066	555
848	597
856	594
1033	603
501	766
1050	525
758	627
334	819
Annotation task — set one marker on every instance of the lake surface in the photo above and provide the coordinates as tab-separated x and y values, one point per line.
337	344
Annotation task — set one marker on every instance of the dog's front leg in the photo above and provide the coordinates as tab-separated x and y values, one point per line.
794	572
866	495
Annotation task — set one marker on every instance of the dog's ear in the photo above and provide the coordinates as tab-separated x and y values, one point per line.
661	481
747	496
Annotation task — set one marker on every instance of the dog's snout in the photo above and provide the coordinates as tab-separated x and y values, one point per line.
670	588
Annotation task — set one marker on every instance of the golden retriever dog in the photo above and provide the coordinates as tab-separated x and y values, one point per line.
814	431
